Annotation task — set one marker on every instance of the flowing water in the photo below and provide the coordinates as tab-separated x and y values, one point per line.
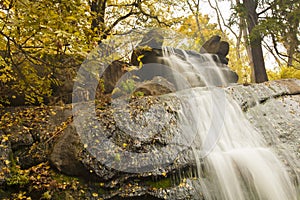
234	162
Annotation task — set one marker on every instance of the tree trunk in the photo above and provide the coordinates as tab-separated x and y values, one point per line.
293	41
259	71
248	49
98	12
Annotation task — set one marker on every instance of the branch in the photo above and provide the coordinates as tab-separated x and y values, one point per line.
107	31
265	10
149	15
281	55
238	40
196	15
267	46
29	38
217	12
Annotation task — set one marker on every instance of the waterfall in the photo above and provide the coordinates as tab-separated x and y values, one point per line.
233	160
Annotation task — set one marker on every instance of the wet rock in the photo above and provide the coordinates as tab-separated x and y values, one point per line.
112	74
274	109
251	95
70	157
105	153
150	53
149	124
65	154
157	86
149	49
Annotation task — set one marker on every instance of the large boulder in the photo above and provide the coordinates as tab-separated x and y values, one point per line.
214	45
207	68
271	107
144	125
112	74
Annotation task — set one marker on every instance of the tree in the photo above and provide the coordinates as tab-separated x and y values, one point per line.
119	16
35	37
42	43
281	23
239	44
270	20
190	28
259	73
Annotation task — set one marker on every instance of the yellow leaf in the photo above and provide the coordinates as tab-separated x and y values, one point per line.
147	48
82	191
140	57
4	138
140	65
71	18
95	194
116	90
130	68
117	157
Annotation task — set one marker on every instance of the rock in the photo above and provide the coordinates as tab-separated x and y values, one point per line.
66	152
150	55
21	140
5	157
113	74
157	86
70	157
142	125
150	48
274	108
212	45
215	46
153	39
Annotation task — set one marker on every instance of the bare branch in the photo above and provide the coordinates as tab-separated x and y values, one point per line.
265	10
155	17
218	15
108	30
196	15
267	46
276	49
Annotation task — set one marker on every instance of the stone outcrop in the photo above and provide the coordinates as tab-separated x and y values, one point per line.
149	60
53	142
214	45
157	86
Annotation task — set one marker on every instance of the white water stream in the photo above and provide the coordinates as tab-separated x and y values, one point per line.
234	162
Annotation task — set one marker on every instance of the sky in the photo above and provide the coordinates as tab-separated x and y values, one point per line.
223	5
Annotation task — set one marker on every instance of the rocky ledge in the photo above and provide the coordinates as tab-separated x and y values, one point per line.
44	155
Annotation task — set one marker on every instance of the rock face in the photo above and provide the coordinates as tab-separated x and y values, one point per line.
113	74
151	59
157	86
215	46
272	107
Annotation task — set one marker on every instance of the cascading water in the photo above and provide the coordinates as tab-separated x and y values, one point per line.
233	160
